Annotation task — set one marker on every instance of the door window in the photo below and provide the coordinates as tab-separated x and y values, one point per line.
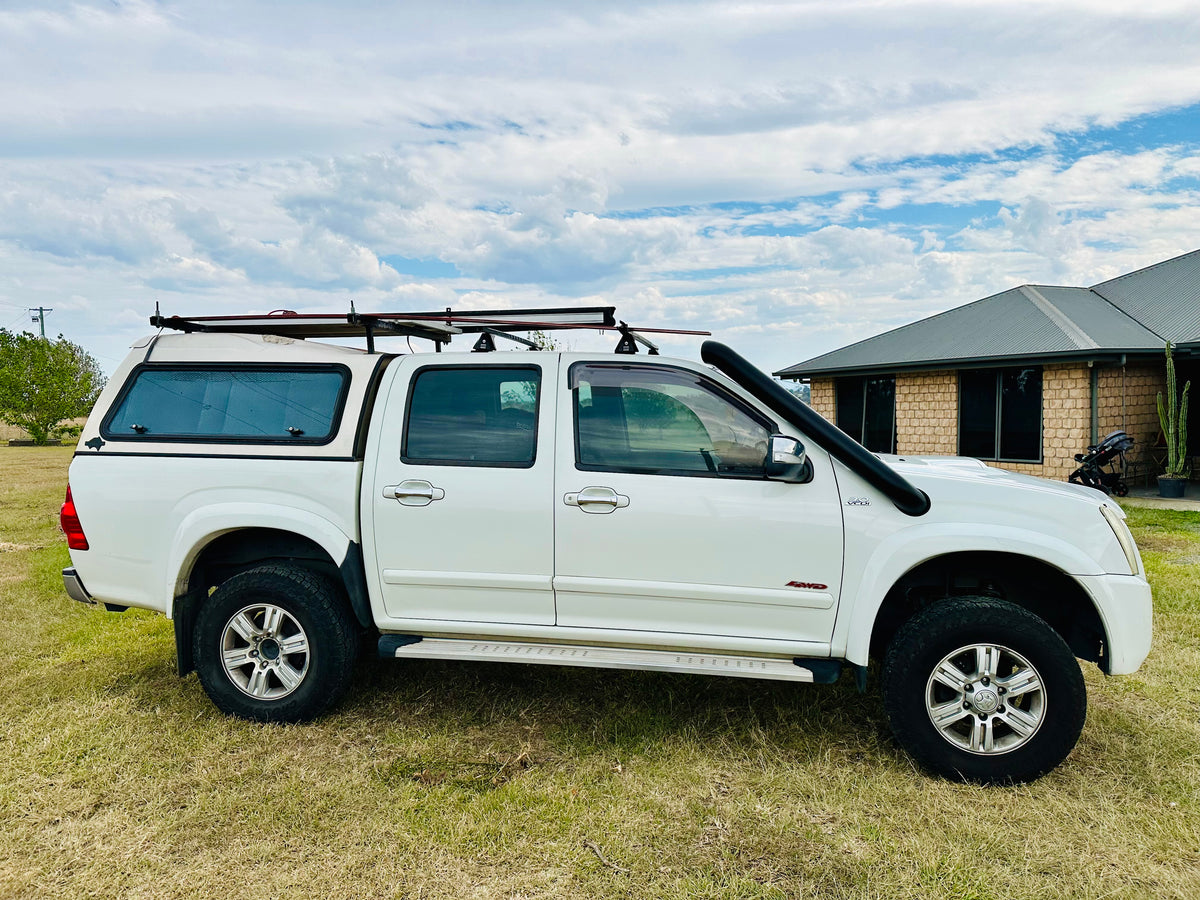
663	421
476	416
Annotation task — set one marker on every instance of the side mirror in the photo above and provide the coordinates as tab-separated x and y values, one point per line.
788	461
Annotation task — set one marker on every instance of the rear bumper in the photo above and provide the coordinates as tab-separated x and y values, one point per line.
1128	615
75	588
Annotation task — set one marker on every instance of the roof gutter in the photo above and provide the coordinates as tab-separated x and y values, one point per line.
1106	357
907	498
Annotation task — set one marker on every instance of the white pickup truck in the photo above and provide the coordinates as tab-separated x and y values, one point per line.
279	498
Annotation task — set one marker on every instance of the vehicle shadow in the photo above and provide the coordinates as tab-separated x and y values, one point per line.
616	711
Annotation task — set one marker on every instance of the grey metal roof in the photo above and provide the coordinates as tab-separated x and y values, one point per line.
1037	322
1164	297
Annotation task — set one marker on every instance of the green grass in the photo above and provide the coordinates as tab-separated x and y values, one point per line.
118	779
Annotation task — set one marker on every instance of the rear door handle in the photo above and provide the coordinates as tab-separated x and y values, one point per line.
413	493
597	500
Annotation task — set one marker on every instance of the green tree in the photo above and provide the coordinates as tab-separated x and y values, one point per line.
546	341
44	383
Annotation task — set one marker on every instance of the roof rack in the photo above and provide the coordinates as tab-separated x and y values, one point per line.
438	327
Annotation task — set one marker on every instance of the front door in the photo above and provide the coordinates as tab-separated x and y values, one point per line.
666	521
462	501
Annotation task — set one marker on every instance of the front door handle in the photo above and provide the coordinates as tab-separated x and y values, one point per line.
413	493
597	500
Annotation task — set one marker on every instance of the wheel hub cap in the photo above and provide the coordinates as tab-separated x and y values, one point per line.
985	699
265	651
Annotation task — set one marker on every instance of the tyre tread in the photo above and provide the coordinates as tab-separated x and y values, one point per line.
334	653
956	620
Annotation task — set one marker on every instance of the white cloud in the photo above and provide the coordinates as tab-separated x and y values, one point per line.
795	175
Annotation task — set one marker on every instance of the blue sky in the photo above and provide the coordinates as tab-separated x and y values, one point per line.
792	176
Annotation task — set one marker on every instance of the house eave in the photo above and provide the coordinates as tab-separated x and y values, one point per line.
1105	357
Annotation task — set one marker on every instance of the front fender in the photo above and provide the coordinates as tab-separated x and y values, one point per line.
904	550
202	526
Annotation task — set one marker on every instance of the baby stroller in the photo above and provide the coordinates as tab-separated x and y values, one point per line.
1109	452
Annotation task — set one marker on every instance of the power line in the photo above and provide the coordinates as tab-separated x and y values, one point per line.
14	321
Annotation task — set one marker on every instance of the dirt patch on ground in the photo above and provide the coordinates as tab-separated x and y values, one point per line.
1164	542
6	547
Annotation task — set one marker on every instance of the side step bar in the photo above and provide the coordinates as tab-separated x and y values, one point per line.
402	646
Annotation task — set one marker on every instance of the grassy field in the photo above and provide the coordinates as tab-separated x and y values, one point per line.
118	779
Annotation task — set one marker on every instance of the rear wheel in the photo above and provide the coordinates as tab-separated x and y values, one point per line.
275	644
983	690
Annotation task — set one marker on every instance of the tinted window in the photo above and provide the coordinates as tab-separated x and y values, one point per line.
1021	414
1000	413
866	411
879	417
850	406
663	421
977	414
292	404
472	416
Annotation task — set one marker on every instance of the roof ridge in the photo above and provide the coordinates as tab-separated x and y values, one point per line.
1161	262
1065	323
1126	313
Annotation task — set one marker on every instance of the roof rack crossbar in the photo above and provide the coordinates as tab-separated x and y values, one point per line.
486	342
630	340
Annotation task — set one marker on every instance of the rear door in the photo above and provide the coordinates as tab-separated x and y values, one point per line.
666	521
462	496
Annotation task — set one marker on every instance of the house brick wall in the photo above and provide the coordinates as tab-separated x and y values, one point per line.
822	398
1128	402
927	413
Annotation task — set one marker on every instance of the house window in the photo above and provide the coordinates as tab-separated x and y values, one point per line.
1000	414
866	410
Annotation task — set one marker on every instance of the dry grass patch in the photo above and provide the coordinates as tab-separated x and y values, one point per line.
439	779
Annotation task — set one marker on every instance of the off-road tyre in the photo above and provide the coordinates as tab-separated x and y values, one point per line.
912	695
315	637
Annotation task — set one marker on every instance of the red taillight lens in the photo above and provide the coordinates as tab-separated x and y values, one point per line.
68	520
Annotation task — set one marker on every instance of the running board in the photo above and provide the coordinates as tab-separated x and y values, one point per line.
403	646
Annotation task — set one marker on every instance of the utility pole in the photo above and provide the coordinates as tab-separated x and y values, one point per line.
39	316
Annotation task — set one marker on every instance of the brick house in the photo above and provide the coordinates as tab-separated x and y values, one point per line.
1023	379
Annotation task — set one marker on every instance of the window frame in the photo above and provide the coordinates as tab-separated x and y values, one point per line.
998	375
862	425
709	383
473	463
335	421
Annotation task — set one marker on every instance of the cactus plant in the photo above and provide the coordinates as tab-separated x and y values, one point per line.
1173	420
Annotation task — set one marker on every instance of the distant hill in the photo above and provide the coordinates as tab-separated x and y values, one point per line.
803	391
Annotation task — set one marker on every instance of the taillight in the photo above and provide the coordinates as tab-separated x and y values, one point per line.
68	520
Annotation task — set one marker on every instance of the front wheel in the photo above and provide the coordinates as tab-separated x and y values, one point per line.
275	644
983	690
